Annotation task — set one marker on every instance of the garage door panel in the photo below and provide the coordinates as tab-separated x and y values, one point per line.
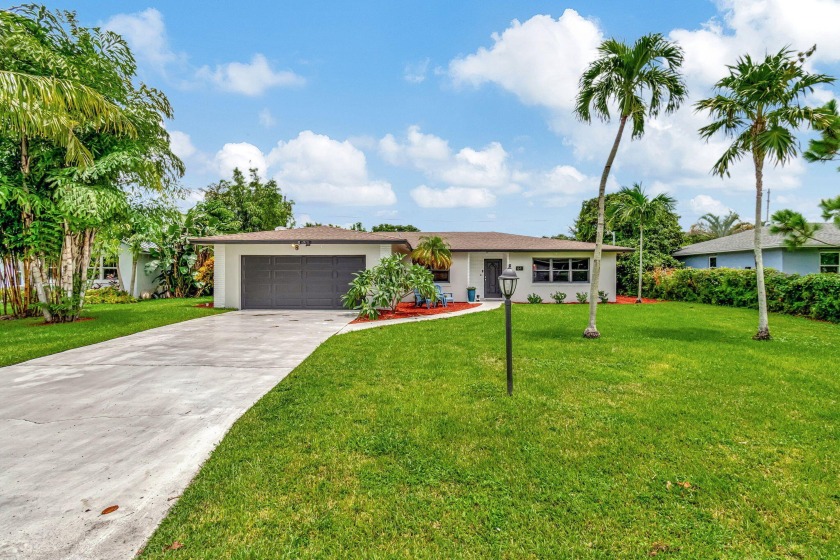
285	282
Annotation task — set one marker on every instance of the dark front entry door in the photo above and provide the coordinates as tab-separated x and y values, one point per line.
492	270
275	282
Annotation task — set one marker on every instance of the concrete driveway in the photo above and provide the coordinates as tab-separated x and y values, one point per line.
129	422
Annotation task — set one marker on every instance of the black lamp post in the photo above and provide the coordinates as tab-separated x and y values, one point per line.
508	280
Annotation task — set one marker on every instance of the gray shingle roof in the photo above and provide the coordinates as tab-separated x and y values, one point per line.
314	234
828	236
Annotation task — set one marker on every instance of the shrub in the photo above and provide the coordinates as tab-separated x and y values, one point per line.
558	297
814	295
534	298
108	295
386	284
204	276
582	297
603	296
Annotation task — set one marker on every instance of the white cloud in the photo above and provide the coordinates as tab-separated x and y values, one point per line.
485	168
705	204
266	118
251	79
415	73
540	60
145	33
243	156
181	144
452	197
316	168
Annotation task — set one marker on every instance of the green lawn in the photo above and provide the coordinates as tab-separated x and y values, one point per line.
674	434
30	338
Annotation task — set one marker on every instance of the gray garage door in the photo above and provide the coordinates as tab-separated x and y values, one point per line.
297	282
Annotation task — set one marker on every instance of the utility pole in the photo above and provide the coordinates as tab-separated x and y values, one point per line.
768	206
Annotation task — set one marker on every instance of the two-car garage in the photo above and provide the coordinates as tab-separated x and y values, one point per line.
297	282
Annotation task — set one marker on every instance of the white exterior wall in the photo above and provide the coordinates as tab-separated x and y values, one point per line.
230	289
526	285
219	273
144	281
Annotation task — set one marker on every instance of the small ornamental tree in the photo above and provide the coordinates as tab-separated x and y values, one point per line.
386	284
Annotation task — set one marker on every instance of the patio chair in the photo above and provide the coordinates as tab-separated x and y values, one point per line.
443	297
419	299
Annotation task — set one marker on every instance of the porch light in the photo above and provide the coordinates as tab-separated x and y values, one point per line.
508	280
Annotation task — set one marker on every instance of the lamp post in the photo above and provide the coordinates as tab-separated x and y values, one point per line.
508	280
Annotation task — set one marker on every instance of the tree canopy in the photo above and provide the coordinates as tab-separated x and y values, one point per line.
240	205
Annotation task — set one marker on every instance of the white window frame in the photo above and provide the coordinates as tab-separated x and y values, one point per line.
570	270
836	267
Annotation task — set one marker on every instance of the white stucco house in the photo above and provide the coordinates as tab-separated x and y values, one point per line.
144	281
310	268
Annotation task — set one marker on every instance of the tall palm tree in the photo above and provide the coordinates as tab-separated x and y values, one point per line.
434	252
634	206
758	106
642	79
720	226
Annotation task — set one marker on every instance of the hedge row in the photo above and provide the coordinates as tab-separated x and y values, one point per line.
814	295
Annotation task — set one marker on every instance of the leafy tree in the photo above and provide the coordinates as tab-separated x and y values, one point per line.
386	284
797	230
357	227
633	206
244	206
712	226
827	147
831	209
624	74
393	227
663	236
433	252
758	105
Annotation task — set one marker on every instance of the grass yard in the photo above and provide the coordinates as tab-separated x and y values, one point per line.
31	338
675	435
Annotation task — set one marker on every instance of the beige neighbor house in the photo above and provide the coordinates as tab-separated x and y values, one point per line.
310	268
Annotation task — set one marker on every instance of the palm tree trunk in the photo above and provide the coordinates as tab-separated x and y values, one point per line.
641	245
763	324
133	274
591	330
38	279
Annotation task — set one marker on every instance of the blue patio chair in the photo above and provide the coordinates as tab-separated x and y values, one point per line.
419	299
443	297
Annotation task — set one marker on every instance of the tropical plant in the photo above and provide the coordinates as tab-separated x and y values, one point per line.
581	297
797	230
386	284
758	105
394	227
558	297
604	297
713	226
624	74
827	147
434	252
534	298
244	206
634	206
174	257
108	295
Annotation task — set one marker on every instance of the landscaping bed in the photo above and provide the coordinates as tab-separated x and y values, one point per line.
407	310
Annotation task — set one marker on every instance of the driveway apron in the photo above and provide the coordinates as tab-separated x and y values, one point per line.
128	423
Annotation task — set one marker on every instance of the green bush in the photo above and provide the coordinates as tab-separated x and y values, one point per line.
581	297
558	297
108	295
603	296
814	295
534	298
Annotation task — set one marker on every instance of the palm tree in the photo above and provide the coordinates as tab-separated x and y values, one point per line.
624	75
715	226
634	206
433	252
758	106
827	147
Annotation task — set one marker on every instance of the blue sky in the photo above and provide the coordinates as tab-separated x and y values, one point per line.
452	115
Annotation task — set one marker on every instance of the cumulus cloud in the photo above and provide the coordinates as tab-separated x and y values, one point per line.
145	32
540	60
705	204
316	168
452	197
249	78
181	144
241	155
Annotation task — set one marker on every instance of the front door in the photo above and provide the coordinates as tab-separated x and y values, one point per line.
492	271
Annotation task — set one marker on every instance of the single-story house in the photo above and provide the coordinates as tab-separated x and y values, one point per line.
821	254
310	268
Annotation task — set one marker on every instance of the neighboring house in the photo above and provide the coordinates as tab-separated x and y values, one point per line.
821	254
310	268
145	280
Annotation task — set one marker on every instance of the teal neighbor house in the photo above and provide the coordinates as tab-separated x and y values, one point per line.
818	255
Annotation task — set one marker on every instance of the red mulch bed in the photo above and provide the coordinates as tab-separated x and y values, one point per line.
632	299
204	305
406	310
79	320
